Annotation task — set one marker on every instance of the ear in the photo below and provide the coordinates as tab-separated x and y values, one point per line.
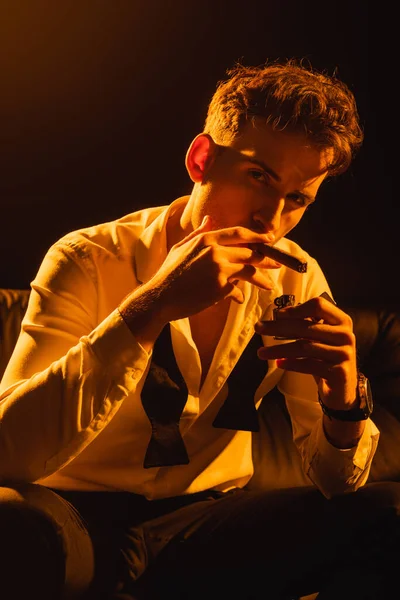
200	156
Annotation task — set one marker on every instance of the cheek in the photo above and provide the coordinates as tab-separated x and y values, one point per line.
226	204
291	219
208	202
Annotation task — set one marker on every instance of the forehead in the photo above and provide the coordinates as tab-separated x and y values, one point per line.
290	155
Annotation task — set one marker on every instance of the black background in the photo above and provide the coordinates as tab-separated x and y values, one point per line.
99	101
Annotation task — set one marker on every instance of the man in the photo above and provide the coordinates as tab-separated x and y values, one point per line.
128	408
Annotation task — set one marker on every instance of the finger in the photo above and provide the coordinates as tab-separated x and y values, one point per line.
253	275
233	236
205	226
243	254
318	369
306	329
316	309
299	349
235	293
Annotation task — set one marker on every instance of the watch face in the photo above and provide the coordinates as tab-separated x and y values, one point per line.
365	394
368	392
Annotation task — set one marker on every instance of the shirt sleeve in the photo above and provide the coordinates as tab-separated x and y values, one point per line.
332	470
68	374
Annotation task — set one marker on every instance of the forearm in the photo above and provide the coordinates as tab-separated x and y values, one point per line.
144	314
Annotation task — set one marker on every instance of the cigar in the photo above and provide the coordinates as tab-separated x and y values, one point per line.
282	257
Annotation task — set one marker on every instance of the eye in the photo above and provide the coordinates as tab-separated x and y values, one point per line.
259	175
298	199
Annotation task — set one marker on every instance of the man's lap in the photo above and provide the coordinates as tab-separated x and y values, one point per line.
284	542
278	541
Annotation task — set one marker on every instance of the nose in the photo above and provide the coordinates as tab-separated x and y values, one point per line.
268	218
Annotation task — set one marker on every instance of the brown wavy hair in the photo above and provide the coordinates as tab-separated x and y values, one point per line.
291	96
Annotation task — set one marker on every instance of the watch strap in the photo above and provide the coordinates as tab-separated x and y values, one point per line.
353	414
358	413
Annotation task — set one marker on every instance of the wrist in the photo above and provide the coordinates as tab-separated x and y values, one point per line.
144	314
344	428
359	410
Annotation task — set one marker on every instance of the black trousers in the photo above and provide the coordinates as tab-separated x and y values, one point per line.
238	545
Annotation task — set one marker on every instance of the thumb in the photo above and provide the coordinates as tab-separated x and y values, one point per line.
206	224
236	294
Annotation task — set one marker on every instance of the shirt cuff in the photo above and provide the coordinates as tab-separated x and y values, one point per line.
358	455
115	347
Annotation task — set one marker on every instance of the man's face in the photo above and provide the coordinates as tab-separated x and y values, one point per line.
264	180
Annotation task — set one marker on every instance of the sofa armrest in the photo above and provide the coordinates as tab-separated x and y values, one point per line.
13	304
378	348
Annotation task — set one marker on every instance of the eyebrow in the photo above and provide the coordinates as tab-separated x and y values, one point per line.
275	176
265	167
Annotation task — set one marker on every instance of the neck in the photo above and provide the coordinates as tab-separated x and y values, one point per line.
179	224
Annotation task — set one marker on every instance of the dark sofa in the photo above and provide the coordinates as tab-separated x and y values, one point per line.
13	304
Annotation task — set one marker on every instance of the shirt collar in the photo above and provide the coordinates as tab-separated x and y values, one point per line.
151	248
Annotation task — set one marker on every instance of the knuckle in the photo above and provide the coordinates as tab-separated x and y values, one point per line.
220	281
348	321
205	239
344	355
317	303
250	270
349	338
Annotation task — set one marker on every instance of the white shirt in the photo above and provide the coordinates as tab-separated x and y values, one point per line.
71	416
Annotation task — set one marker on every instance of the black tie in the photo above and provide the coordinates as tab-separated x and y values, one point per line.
164	396
238	411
